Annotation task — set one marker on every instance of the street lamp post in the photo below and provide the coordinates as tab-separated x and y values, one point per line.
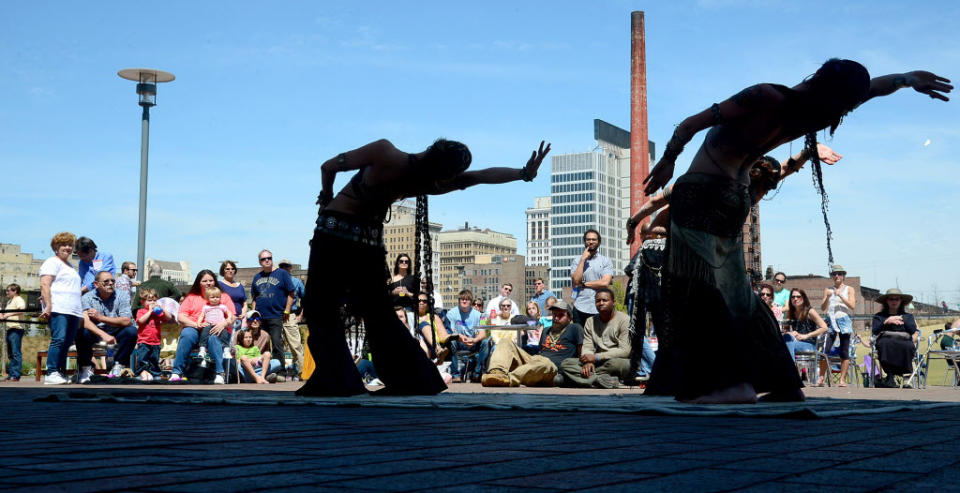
147	80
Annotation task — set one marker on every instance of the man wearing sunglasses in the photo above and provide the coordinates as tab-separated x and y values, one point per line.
107	317
781	296
273	291
494	305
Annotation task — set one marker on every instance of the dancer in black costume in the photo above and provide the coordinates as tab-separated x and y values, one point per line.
709	205
347	260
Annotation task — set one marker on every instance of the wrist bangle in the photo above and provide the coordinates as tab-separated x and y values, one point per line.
286	312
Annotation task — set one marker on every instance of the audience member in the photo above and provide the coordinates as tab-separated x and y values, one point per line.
464	321
403	284
805	325
546	318
605	357
896	332
438	332
272	293
163	287
212	314
14	331
766	294
264	344
92	262
511	366
234	289
291	326
589	272
146	354
248	354
107	317
781	296
127	279
530	338
493	306
838	302
189	315
60	294
503	315
437	297
540	297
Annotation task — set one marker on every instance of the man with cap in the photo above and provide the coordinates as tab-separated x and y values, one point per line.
291	326
511	366
262	340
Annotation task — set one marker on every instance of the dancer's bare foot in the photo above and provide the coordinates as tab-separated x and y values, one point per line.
742	393
784	396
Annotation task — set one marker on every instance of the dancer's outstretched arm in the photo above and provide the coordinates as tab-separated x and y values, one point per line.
796	162
745	101
921	81
500	174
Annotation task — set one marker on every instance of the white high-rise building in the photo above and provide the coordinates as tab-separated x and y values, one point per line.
588	190
538	232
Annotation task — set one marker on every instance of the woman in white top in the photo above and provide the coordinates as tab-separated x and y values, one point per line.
838	303
60	295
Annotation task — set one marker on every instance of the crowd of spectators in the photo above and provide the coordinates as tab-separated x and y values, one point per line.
503	341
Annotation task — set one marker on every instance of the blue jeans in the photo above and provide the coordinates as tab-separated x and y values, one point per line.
126	340
189	338
146	357
647	358
14	337
794	345
63	331
366	369
480	352
274	368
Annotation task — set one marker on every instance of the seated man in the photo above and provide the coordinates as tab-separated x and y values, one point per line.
511	366
605	358
106	317
261	339
466	337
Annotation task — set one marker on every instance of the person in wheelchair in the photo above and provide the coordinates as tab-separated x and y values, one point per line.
896	332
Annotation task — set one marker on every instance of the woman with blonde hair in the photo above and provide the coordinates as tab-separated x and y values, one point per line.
60	297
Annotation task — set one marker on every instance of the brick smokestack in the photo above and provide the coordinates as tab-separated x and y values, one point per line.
639	143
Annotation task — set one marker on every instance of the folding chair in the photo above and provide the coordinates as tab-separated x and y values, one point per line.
949	352
808	361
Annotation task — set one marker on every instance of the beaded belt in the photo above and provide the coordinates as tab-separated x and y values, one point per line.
346	229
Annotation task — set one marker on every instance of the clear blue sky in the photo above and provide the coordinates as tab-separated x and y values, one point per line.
265	92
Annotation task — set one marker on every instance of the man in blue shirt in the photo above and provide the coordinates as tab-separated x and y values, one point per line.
92	263
291	327
106	317
588	272
542	294
466	336
272	292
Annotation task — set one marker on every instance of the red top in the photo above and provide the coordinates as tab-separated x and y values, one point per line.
149	333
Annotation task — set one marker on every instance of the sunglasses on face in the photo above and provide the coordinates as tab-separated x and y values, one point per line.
796	297
253	319
766	295
779	281
893	299
228	268
264	259
422	301
108	281
504	306
403	262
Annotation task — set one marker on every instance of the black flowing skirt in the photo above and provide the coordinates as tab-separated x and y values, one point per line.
717	332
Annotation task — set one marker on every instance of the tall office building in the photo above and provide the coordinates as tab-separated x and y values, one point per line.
487	273
538	232
460	247
590	190
399	235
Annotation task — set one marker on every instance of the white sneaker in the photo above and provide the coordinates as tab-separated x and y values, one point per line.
375	382
85	373
226	353
54	378
115	371
218	380
175	377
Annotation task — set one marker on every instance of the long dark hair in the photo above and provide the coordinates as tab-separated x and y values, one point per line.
836	88
197	289
445	159
804	309
396	264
